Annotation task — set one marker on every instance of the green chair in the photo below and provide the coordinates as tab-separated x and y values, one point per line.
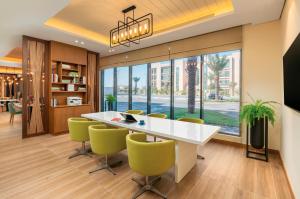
157	115
107	141
149	159
193	120
78	130
13	112
137	112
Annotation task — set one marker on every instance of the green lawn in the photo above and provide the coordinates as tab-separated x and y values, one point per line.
211	117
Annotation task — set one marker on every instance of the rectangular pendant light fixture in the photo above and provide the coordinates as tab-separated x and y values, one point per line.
131	29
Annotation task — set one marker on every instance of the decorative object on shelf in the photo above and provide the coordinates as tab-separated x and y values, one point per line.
66	66
71	87
257	115
81	89
54	88
131	29
109	101
68	81
83	80
53	102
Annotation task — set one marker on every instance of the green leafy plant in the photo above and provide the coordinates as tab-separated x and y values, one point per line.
257	110
110	98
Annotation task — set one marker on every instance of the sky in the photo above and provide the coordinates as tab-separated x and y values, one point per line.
123	75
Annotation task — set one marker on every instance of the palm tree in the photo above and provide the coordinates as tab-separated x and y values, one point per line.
135	79
216	64
191	70
232	85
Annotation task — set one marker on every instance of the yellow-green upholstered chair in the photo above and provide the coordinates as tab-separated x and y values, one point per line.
149	159
107	141
193	120
157	115
137	112
79	132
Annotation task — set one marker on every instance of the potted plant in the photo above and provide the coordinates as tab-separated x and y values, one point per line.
254	114
110	99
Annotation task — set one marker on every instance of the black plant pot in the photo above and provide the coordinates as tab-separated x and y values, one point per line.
257	139
110	106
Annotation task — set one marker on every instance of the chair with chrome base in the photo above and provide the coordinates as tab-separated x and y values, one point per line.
78	129
12	112
157	115
149	159
137	112
107	141
193	120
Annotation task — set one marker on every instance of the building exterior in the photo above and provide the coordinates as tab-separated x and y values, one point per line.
228	79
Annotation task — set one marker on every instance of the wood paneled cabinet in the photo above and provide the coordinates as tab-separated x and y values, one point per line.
67	53
72	75
59	117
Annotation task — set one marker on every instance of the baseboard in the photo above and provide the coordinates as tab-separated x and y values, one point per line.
287	177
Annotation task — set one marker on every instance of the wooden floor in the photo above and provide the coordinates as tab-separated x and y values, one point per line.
39	168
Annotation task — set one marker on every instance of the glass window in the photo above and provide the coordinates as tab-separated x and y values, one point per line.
139	87
219	83
161	87
221	90
187	87
122	88
108	87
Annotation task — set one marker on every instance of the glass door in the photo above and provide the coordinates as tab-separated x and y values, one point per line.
221	90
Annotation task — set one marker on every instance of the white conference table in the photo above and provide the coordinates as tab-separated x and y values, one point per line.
186	135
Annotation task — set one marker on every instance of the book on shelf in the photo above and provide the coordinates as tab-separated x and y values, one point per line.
54	78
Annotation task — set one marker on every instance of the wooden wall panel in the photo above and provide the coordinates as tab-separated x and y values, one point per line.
35	91
67	53
92	80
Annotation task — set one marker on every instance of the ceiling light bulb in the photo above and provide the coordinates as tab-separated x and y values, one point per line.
135	30
130	32
140	28
122	35
82	43
114	37
76	41
146	26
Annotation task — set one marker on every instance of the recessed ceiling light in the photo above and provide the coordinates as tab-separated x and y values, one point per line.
82	43
76	41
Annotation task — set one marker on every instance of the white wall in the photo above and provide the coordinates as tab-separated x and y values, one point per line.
290	141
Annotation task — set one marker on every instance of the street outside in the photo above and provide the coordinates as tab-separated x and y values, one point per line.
227	109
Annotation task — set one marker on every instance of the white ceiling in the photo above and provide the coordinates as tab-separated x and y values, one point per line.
19	18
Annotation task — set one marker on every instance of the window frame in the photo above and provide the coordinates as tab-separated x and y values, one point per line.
172	80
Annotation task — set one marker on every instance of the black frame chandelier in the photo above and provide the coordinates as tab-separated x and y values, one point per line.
131	29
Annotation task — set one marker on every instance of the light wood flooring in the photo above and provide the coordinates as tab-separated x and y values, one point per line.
39	168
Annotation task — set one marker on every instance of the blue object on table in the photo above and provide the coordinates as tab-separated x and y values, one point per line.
141	122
